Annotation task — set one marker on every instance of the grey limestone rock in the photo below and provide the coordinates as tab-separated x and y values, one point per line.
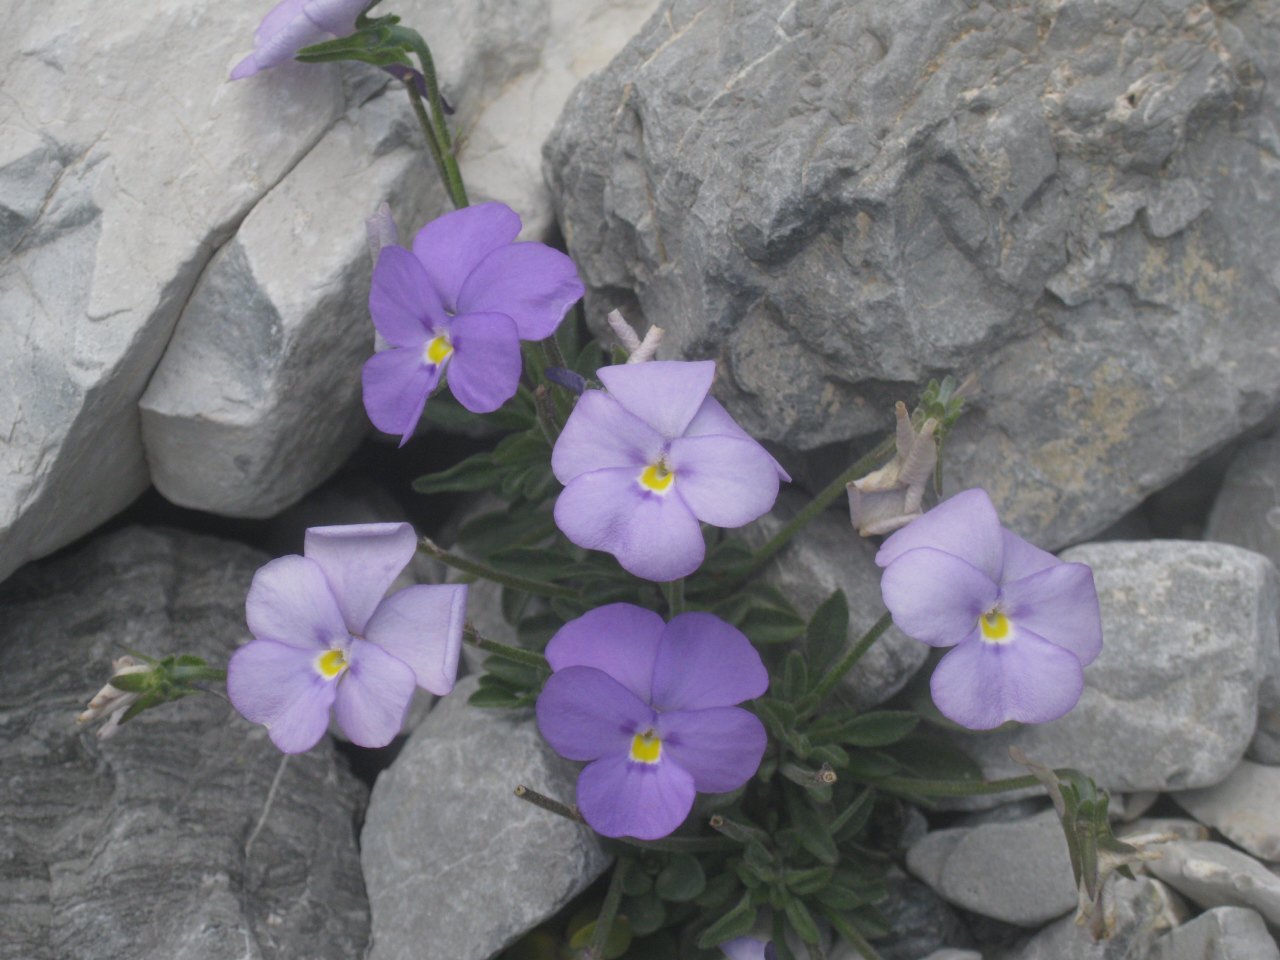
452	859
1215	875
187	834
839	200
1225	933
1171	702
1144	909
1246	512
1016	872
1244	808
919	921
828	556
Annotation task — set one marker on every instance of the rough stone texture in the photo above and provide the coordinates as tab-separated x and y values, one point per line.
828	556
1244	808
1215	875
1016	872
451	858
1171	701
1247	513
257	397
172	840
1227	933
1144	910
838	200
114	194
919	921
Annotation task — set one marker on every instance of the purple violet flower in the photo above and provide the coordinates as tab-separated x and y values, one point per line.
1023	623
652	706
643	463
294	24
749	948
460	303
327	635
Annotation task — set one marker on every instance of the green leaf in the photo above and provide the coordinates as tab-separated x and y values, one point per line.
805	883
720	890
646	913
681	879
637	881
810	828
615	944
134	682
879	728
871	765
838	757
519	675
477	472
372	45
828	632
933	756
736	923
854	817
501	529
801	920
522	449
795	677
533	563
497	697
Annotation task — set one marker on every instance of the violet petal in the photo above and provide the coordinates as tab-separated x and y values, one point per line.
620	638
965	526
704	662
1060	604
585	714
936	597
451	246
726	481
720	747
360	561
530	282
982	685
279	686
291	603
422	626
600	434
1021	559
373	695
619	798
396	384
712	419
402	302
663	393
484	371
653	536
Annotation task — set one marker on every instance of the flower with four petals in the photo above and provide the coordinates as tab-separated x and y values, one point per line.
457	306
1022	623
644	463
652	706
326	635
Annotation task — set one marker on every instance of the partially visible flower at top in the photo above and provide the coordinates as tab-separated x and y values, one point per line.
645	462
638	350
652	706
110	703
458	306
889	498
1023	623
327	635
294	24
749	948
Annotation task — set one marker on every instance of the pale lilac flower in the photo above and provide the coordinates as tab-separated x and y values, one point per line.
749	948
652	706
327	635
1022	622
646	462
458	306
294	24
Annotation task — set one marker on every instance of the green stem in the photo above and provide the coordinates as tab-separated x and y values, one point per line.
419	111
828	496
478	569
551	350
452	175
545	410
953	788
514	654
673	592
834	675
683	844
608	910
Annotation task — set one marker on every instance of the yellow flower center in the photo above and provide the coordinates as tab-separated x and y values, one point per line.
646	747
994	627
437	350
657	477
331	663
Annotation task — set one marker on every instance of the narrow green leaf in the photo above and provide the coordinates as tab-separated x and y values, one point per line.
810	828
615	945
795	677
736	923
828	632
477	472
879	728
495	697
801	920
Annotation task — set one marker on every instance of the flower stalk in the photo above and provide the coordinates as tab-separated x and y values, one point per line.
478	569
515	654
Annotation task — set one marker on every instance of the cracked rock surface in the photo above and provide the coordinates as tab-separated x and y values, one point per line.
185	835
838	200
444	830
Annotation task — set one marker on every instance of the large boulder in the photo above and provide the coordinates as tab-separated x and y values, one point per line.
840	199
187	834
